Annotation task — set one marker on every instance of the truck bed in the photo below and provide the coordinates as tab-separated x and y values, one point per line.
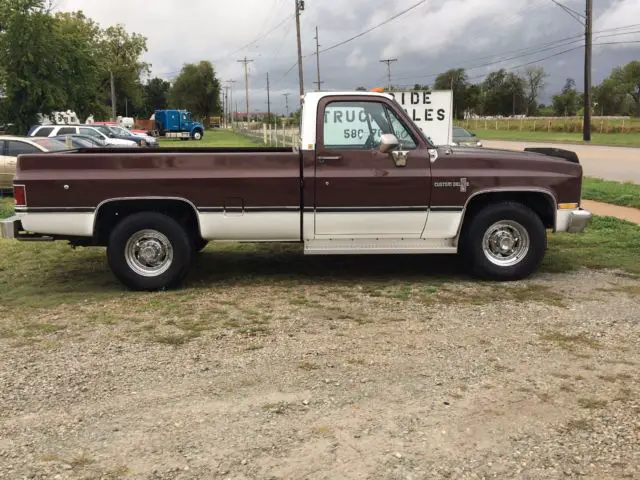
209	178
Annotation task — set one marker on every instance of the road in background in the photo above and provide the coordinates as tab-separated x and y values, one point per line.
610	163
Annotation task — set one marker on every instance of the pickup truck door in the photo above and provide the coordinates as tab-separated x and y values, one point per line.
361	192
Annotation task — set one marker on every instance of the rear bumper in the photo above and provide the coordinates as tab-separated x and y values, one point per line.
11	229
573	221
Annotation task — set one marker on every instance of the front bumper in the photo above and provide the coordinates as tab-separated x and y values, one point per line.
573	221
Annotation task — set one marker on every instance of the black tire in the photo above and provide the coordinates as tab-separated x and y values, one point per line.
170	231
516	218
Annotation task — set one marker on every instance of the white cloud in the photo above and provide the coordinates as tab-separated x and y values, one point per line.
438	35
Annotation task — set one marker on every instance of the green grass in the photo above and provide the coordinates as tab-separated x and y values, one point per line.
6	207
613	139
616	193
607	243
214	138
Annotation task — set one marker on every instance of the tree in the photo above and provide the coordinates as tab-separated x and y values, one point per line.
534	78
609	98
567	102
120	53
29	60
361	89
627	79
503	93
456	81
155	96
418	87
197	89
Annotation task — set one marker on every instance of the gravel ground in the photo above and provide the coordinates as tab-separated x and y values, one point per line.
349	382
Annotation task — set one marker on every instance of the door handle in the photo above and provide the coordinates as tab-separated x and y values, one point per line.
329	159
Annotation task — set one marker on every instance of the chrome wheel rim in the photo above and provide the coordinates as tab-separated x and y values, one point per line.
197	136
149	253
505	243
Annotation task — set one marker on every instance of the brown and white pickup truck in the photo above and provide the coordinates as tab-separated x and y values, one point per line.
365	180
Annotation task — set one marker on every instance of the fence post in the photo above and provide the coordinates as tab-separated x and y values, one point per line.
275	128
485	124
549	126
622	127
264	133
534	125
496	124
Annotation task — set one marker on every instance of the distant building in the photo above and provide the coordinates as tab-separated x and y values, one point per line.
255	116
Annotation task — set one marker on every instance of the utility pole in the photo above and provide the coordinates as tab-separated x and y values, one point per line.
246	83
318	83
588	33
113	98
389	61
227	106
299	8
286	100
268	101
230	107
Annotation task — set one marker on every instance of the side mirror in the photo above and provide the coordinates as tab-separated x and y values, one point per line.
388	142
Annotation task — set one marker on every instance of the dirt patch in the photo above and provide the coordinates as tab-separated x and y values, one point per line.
607	210
534	379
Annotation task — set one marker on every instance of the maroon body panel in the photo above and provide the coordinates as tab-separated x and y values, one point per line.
208	179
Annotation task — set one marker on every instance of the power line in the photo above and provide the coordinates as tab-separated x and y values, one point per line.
578	17
361	34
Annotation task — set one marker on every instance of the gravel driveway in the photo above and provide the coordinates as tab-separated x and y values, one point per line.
531	380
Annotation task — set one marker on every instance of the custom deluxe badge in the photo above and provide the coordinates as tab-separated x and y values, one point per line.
463	184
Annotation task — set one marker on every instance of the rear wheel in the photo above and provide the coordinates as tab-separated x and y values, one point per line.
149	251
504	241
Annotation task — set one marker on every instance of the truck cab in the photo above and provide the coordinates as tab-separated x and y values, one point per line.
178	124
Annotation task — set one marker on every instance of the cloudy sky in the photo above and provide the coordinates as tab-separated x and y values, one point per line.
481	35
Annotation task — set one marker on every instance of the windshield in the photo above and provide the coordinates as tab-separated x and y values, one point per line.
460	132
50	144
104	129
123	132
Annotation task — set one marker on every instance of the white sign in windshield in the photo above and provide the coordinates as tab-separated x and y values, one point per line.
431	111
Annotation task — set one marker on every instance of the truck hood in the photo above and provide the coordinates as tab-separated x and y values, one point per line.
515	159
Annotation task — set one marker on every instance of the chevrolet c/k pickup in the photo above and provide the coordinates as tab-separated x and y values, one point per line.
364	180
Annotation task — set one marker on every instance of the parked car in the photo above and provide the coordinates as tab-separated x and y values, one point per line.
94	131
94	141
12	146
464	138
350	187
78	141
142	138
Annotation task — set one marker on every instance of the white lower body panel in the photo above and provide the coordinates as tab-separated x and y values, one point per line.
363	224
63	224
251	226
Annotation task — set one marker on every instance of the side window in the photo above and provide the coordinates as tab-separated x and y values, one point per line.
91	132
401	131
18	148
43	132
354	125
67	131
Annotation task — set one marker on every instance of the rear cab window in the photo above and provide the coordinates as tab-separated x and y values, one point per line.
67	131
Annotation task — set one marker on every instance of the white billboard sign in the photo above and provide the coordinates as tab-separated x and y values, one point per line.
431	111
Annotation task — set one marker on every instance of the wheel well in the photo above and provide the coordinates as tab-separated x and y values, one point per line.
111	213
541	203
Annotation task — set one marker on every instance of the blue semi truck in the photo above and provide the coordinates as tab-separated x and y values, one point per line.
177	124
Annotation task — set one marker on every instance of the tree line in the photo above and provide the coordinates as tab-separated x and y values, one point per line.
504	93
51	61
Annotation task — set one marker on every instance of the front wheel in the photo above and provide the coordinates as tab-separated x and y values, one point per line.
197	135
149	251
505	241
